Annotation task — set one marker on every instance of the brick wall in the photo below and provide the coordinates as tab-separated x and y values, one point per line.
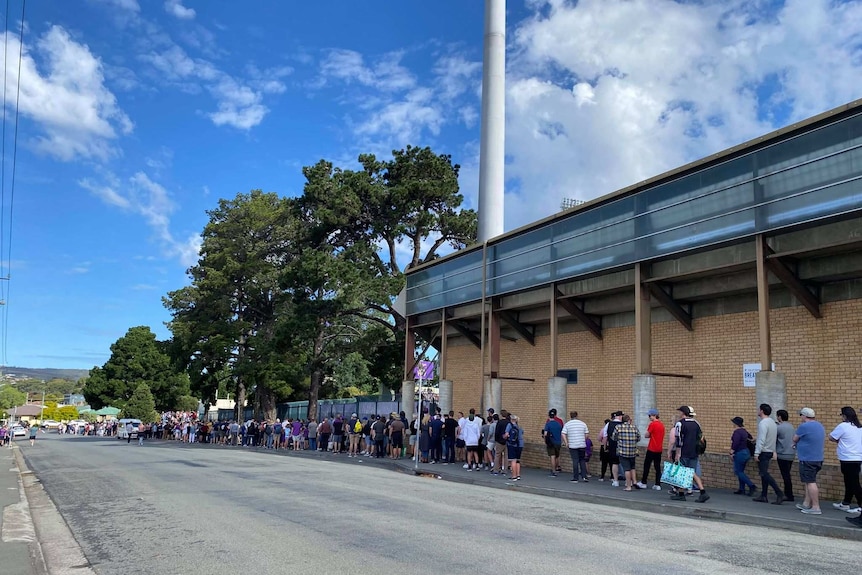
820	358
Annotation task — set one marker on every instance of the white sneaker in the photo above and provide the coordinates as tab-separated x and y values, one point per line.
657	487
854	509
615	484
841	506
466	466
640	485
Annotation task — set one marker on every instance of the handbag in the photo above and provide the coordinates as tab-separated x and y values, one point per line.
677	475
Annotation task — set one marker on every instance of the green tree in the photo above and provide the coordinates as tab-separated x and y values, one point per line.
11	397
224	323
136	358
187	403
141	405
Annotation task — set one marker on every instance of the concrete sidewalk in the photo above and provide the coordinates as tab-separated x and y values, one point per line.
18	548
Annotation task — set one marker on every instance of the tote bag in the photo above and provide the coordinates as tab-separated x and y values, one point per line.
677	475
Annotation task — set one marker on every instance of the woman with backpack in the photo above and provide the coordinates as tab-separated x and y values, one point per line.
740	454
514	446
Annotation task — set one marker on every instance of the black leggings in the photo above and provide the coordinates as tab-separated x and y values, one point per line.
654	458
850	471
605	459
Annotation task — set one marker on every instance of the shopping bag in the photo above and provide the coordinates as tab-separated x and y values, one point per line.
677	475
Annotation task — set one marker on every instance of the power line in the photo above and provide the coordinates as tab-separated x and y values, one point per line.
5	337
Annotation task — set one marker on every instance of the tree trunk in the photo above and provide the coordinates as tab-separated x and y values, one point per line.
240	400
313	391
267	404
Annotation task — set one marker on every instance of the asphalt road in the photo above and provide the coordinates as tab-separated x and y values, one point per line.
170	509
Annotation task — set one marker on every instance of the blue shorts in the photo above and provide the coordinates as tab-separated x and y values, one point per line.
513	453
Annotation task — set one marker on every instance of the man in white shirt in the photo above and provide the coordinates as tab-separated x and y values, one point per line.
471	431
575	434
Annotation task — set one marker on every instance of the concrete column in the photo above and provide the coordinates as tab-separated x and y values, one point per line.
557	396
644	399
408	397
445	395
493	396
771	388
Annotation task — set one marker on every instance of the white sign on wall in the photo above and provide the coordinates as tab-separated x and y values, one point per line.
748	372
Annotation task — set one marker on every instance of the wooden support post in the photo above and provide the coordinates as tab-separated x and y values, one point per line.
643	322
761	250
494	341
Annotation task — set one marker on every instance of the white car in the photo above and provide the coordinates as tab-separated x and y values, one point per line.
50	424
18	431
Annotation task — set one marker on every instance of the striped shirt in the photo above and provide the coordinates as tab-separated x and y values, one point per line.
575	432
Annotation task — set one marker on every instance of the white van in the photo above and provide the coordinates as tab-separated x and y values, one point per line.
121	428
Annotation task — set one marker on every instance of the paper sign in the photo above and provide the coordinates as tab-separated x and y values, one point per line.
748	373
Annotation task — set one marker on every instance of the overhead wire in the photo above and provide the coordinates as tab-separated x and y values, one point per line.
5	307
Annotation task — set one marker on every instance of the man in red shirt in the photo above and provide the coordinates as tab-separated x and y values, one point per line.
655	434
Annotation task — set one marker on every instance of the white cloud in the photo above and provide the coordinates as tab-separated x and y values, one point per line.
605	93
392	107
150	200
175	8
129	5
76	115
239	104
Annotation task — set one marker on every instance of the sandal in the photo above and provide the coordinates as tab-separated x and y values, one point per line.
627	489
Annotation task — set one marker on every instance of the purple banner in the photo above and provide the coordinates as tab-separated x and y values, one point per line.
424	370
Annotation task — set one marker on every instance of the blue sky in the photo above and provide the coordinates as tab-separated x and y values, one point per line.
136	116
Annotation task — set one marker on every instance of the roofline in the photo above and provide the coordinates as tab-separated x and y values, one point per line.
696	165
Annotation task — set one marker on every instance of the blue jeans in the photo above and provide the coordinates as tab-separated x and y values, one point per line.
312	443
579	462
740	459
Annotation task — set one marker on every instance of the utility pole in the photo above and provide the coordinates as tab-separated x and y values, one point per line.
42	411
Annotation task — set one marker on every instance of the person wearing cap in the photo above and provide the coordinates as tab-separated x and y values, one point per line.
740	454
689	434
611	445
809	439
655	434
764	450
627	437
395	433
552	434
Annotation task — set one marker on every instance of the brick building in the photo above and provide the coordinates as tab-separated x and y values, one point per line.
660	294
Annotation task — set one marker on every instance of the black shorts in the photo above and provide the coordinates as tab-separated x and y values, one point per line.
472	448
808	471
396	440
459	443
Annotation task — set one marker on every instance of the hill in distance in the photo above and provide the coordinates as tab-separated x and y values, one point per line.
45	373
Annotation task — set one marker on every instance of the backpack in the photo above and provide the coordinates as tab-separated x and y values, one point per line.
700	448
357	427
514	435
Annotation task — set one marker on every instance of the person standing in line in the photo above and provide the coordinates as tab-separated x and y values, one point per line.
848	436
471	434
767	432
809	439
655	447
450	432
514	446
500	457
488	431
436	430
575	434
603	450
740	454
552	434
627	437
611	445
785	452
687	455
553	414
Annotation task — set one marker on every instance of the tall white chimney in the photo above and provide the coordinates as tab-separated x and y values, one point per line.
492	145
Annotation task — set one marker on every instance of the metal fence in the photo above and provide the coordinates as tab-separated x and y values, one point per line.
362	406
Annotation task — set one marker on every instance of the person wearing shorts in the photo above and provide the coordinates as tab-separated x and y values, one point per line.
626	437
514	437
809	439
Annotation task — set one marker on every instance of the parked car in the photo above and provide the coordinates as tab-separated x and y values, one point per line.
18	431
50	424
121	428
